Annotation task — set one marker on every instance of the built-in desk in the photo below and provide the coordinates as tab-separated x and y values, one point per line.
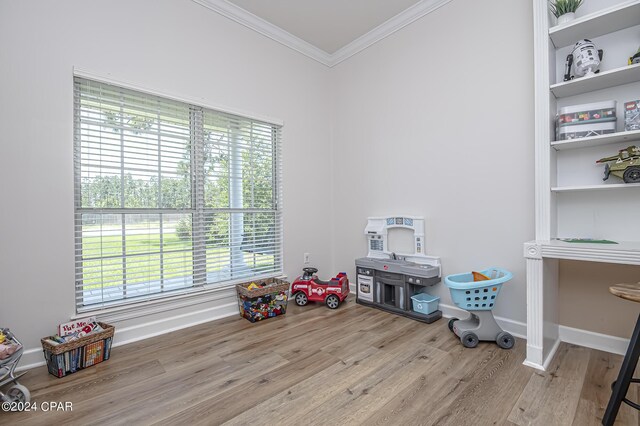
542	288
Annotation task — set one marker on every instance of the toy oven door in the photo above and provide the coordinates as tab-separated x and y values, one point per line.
365	288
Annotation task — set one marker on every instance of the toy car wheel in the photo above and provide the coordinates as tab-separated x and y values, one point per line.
451	321
301	298
19	393
469	339
505	340
632	175
332	301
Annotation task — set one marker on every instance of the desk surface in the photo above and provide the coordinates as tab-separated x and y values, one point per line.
625	252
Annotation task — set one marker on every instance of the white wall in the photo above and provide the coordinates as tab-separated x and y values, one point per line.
174	46
437	120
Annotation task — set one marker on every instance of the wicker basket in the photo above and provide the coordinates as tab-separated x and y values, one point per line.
264	302
86	351
273	285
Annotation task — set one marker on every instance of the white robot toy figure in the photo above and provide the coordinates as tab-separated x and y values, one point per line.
583	61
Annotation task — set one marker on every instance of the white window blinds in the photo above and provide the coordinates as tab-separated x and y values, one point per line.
170	197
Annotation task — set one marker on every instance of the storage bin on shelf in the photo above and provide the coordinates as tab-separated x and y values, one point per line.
425	303
581	121
67	358
263	302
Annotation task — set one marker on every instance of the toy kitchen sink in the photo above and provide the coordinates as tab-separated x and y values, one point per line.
387	280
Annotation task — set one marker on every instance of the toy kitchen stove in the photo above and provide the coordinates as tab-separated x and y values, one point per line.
387	280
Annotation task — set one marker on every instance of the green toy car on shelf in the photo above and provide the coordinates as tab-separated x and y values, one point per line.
626	165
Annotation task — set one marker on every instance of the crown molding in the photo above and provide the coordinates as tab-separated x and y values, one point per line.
267	29
387	28
276	33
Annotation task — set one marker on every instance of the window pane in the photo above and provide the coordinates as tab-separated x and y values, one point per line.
257	178
216	167
260	242
151	217
135	150
147	255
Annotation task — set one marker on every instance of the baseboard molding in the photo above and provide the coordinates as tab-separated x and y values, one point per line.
590	339
537	354
552	353
33	357
517	328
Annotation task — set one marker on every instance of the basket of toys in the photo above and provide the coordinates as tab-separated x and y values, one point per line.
262	299
66	355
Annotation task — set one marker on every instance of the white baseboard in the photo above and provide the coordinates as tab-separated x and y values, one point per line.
33	357
590	339
517	328
552	353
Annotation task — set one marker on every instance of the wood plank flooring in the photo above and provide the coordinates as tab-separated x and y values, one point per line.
353	365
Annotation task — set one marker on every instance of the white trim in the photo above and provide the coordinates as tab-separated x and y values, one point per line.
552	353
528	363
387	28
276	33
538	355
593	340
135	309
623	253
150	329
584	338
251	21
32	357
141	309
201	102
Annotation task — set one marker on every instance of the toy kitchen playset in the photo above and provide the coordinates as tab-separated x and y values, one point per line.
397	282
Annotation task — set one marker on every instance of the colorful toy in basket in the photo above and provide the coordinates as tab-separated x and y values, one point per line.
309	288
264	300
477	292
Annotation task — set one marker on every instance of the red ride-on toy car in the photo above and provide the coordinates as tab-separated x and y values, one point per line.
309	288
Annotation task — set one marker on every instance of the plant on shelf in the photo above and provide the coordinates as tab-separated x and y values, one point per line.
564	10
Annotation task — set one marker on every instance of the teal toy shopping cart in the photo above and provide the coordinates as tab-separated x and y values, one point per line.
478	298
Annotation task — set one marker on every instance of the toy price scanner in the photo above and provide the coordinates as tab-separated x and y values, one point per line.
398	282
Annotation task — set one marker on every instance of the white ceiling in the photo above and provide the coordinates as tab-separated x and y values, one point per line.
328	31
327	24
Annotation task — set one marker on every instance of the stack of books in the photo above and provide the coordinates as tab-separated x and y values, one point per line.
79	344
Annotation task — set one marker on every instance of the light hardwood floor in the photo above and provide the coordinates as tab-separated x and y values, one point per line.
353	365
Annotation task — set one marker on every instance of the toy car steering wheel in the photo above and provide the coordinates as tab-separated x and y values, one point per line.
310	271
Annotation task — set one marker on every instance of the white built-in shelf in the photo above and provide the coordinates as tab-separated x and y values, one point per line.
595	187
626	252
605	21
604	80
600	140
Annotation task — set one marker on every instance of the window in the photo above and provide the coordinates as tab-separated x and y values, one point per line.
169	197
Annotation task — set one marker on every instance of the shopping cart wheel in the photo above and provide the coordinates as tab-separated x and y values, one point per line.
19	393
332	301
505	340
451	321
469	339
